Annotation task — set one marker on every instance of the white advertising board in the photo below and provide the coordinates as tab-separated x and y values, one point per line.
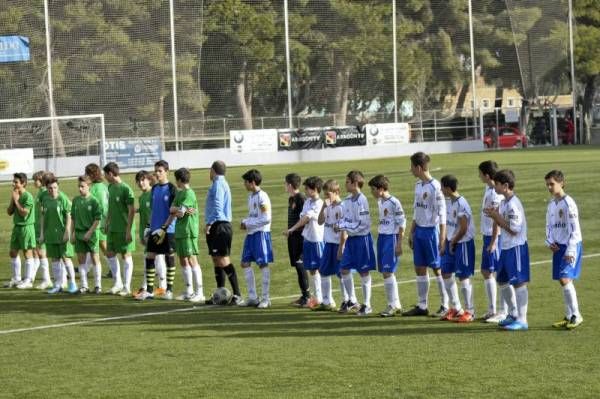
13	161
251	141
387	133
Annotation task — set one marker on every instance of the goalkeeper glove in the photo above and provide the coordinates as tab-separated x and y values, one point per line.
159	235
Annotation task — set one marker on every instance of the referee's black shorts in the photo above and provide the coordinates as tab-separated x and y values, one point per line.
219	239
295	242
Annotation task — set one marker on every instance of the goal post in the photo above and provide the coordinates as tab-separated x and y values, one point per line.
57	136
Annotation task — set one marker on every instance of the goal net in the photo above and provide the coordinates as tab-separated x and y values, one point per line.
56	137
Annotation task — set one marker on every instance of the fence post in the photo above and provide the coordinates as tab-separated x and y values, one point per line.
435	126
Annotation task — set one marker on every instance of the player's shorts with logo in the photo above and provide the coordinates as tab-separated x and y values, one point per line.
116	243
489	260
57	251
425	247
462	261
330	264
219	239
258	248
514	265
387	261
359	254
22	238
312	252
562	268
186	246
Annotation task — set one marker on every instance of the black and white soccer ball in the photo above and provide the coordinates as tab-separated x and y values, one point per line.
221	296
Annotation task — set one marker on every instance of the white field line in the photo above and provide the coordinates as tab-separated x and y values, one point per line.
189	309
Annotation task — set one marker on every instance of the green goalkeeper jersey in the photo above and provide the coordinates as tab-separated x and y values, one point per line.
120	196
26	200
100	192
85	211
145	205
55	212
187	226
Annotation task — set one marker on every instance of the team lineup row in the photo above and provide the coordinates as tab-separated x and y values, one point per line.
326	238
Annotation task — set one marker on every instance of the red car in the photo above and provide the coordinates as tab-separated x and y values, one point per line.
509	137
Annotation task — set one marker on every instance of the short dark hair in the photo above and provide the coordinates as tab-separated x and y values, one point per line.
488	168
111	168
47	177
253	175
420	159
314	183
161	164
21	177
143	174
84	179
331	186
556	175
94	172
380	181
505	176
52	179
356	176
450	181
183	175
219	168
293	179
38	176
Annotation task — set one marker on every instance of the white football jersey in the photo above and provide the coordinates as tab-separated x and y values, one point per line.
491	199
562	224
334	214
357	220
391	215
259	212
458	208
312	231
430	204
512	211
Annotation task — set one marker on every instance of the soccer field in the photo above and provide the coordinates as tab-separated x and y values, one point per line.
107	346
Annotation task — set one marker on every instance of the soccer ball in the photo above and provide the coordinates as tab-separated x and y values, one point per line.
221	296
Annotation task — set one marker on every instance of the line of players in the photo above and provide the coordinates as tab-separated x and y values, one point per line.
325	238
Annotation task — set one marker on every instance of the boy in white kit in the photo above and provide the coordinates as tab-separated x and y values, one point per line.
358	250
513	268
392	223
563	238
427	235
312	247
458	257
257	244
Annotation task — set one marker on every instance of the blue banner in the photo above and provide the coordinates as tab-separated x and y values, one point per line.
14	48
134	153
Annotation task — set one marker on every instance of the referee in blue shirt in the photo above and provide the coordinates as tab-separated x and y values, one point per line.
218	228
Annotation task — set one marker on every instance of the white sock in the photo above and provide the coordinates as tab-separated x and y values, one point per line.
266	282
490	290
366	289
326	290
452	290
115	269
388	285
127	272
98	275
70	271
186	272
522	295
29	269
250	283
345	297
64	274
443	295
83	272
467	292
396	292
197	276
571	299
349	285
509	300
16	268
316	278
36	266
161	271
88	260
57	272
144	278
422	291
45	270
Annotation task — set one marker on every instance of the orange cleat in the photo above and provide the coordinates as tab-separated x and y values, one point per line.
466	317
450	315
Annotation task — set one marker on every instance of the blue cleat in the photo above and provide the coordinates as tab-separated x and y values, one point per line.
517	326
55	290
508	321
72	288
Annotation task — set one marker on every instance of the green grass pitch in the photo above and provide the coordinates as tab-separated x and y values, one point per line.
103	346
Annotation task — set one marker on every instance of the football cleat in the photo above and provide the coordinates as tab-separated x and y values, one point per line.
124	292
441	312
138	293
487	315
390	311
83	290
507	321
465	317
264	304
198	299
364	310
312	302
55	290
249	302
452	314
12	283
72	288
344	307
115	289
353	307
158	292
184	296
574	322
168	295
325	308
25	284
561	324
44	285
236	300
298	302
516	326
97	290
144	296
415	311
495	319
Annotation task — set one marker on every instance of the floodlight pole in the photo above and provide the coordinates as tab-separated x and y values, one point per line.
174	73
573	87
473	82
395	54
51	109
287	62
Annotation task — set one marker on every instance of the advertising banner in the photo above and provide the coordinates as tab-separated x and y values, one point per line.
134	153
14	48
300	139
14	161
248	141
345	136
387	133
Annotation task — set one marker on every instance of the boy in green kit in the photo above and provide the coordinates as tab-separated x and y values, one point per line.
99	190
120	229
185	209
21	208
86	213
55	232
39	252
